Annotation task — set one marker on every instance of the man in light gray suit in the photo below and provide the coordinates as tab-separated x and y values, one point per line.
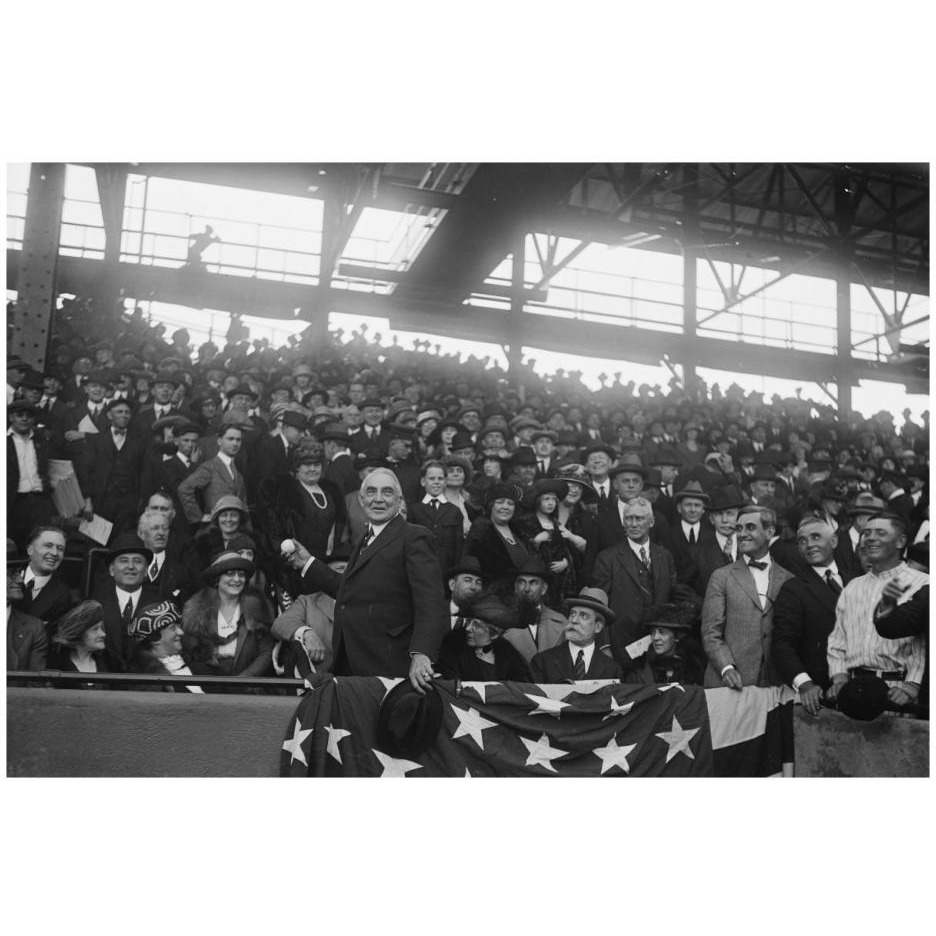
737	616
214	478
540	626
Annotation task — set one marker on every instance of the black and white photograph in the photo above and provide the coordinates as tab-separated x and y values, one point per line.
380	417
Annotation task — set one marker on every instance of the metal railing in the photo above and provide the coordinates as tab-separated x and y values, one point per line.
61	679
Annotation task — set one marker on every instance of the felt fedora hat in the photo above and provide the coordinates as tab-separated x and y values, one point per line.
594	598
408	723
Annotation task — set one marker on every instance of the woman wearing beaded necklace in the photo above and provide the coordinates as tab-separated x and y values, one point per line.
306	507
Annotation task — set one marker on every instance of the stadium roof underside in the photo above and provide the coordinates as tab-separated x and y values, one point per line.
864	224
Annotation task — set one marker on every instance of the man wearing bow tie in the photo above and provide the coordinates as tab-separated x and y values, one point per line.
110	469
737	616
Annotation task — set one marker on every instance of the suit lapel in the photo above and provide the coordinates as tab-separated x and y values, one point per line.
742	575
391	532
774	580
819	590
629	562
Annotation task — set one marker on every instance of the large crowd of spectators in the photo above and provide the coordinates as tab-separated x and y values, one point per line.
680	534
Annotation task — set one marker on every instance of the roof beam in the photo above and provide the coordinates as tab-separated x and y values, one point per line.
251	296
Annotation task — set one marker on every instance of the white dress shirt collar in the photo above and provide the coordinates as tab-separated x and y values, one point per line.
589	653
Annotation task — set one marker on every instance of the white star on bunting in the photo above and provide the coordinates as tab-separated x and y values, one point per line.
389	683
393	766
678	739
590	686
557	691
614	755
541	753
480	688
547	706
471	723
334	736
294	744
617	709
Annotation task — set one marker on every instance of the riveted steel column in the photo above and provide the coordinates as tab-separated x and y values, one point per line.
515	316
112	190
844	215
35	300
690	272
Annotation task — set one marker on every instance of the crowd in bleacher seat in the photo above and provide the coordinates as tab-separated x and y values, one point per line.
680	534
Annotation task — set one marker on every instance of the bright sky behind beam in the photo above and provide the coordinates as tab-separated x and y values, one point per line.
279	237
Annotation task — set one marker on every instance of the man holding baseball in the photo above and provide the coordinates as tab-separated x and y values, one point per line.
390	607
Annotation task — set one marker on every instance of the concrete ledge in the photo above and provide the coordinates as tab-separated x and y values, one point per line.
95	733
834	745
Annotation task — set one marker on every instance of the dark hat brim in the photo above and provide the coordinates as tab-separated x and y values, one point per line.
130	550
863	697
408	723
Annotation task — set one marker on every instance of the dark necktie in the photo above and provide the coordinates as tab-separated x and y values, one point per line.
579	671
602	496
153	571
127	615
692	536
830	581
28	588
460	621
727	551
435	504
368	536
754	564
644	558
542	467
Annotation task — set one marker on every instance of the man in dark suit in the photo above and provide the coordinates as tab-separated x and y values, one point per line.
401	461
804	614
896	498
865	506
27	641
390	607
29	501
123	596
272	454
164	385
737	616
170	472
636	575
110	469
667	462
172	579
339	466
372	434
720	549
85	415
578	656
45	595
